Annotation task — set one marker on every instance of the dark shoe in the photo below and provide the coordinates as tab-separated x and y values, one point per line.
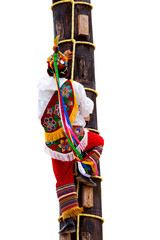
86	180
69	226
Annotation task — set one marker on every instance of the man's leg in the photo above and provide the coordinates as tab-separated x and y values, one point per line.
94	150
66	192
94	140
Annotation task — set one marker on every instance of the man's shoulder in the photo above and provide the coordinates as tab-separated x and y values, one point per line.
77	84
49	83
45	82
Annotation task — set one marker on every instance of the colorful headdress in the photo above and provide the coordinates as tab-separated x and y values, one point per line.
62	61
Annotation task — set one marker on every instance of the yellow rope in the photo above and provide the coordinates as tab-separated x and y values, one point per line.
92	216
84	3
85	215
73	59
88	43
67	40
94	130
72	2
77	42
60	2
72	33
92	90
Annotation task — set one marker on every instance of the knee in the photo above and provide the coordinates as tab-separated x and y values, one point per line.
101	141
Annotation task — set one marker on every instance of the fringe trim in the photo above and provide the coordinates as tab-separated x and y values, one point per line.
66	156
72	212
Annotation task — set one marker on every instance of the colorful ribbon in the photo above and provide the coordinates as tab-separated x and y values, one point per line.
66	124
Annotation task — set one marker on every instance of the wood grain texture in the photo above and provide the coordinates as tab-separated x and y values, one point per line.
65	236
87	196
83	25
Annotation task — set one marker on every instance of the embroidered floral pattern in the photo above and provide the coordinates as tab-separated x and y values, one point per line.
66	90
70	103
64	145
59	123
51	119
56	111
49	111
49	124
78	131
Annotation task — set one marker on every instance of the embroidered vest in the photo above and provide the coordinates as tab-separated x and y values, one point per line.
54	134
51	117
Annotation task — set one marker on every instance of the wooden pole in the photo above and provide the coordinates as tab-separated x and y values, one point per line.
72	20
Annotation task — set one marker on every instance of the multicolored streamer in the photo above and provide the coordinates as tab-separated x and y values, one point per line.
72	138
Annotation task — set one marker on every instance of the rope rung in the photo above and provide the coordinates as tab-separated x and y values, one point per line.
72	2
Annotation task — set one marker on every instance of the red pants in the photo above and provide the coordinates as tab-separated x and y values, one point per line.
65	186
64	170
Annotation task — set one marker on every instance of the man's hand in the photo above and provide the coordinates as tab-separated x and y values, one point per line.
87	119
68	54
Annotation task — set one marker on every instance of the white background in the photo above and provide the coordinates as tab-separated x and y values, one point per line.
127	64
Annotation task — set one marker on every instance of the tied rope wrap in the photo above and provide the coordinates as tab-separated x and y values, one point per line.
66	124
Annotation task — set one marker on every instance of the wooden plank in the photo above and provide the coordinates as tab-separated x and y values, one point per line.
87	196
81	9
83	25
96	210
65	236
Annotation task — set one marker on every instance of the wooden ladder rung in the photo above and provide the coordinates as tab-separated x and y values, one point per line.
87	196
65	236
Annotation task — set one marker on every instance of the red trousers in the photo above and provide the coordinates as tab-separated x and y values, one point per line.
63	171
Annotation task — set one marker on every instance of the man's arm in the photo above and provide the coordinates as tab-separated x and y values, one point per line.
85	104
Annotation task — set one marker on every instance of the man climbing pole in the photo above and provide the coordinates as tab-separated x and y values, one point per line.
62	107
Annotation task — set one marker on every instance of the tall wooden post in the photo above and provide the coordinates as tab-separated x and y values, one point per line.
72	20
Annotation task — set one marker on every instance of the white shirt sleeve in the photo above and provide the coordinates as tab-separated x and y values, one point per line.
45	92
42	104
47	87
85	104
